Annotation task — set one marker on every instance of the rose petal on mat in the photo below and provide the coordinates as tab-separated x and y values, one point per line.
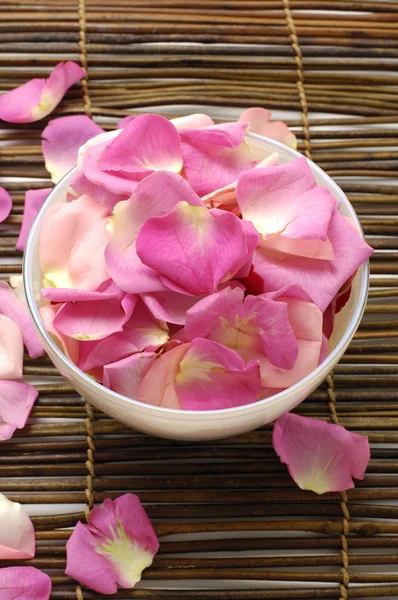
125	376
213	377
157	387
24	583
118	543
16	402
93	319
68	345
11	306
321	457
106	291
251	325
259	119
5	203
155	196
184	247
11	349
321	279
169	306
214	156
17	535
73	238
61	140
34	200
37	98
81	186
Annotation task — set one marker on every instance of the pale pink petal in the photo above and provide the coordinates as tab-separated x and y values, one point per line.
107	137
17	535
194	121
214	156
259	119
321	279
118	543
213	377
184	247
155	196
37	98
252	326
5	203
321	457
324	349
125	376
81	186
73	238
16	402
61	140
24	583
13	307
148	143
93	319
157	387
106	291
34	200
169	306
16	282
11	349
68	345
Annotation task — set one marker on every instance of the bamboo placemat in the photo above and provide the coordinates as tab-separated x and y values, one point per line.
229	516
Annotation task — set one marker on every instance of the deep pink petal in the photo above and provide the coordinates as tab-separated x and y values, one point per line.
114	548
259	119
214	156
11	306
11	349
5	203
321	457
184	248
37	98
125	121
16	402
125	376
24	583
213	377
61	140
34	200
321	279
157	387
73	237
17	535
68	345
81	186
169	306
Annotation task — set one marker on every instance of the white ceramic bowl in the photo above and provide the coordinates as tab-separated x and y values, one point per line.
199	425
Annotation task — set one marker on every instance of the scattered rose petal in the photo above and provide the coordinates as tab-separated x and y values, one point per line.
37	98
259	119
13	307
11	349
125	376
169	306
61	140
72	241
158	386
5	203
34	200
68	345
24	583
321	457
16	402
106	291
118	543
79	185
214	156
184	247
17	534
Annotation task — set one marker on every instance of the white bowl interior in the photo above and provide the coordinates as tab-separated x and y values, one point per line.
199	425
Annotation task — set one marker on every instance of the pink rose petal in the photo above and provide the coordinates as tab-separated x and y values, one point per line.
37	98
34	200
106	291
321	457
24	583
169	306
214	156
68	345
16	402
72	241
118	543
184	248
155	196
17	535
61	140
11	349
259	119
194	121
251	325
80	186
213	377
11	306
125	376
157	387
5	203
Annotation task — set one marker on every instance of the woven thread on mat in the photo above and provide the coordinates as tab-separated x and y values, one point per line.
330	390
83	56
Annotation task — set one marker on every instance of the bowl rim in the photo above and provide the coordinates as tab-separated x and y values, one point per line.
326	366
